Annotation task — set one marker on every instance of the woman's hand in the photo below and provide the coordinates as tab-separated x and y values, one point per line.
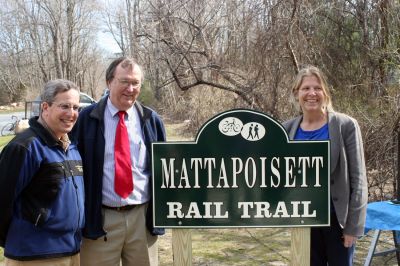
349	240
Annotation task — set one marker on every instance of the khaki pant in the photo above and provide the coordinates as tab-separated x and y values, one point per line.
64	261
128	241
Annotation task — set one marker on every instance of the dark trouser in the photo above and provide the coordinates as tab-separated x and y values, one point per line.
327	246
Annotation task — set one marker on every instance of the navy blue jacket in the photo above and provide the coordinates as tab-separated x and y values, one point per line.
41	196
89	135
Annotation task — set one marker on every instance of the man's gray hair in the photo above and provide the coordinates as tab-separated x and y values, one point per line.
125	62
54	87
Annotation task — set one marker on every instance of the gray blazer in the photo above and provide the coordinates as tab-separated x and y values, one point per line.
349	190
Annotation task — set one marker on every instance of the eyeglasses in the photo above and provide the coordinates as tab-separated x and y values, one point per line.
126	83
66	107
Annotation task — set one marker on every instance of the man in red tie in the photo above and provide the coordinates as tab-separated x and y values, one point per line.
114	138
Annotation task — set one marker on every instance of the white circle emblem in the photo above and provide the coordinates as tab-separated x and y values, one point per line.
253	131
230	126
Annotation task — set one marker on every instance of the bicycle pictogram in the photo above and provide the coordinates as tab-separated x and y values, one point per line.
232	126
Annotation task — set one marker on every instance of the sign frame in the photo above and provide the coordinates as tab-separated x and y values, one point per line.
229	114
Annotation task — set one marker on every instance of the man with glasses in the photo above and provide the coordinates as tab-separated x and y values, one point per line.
114	137
41	185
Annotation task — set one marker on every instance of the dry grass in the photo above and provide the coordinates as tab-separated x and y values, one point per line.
176	131
263	246
270	246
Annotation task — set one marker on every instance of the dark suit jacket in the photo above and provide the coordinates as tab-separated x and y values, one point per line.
349	190
88	133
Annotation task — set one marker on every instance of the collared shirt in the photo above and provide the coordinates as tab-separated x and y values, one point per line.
63	141
138	158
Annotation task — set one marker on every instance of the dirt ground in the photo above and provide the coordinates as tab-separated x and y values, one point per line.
263	246
255	247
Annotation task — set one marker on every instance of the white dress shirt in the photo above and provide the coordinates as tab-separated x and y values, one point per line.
138	153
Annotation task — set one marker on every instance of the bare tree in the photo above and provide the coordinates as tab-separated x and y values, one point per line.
249	52
56	37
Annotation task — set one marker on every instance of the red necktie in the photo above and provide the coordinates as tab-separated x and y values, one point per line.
123	183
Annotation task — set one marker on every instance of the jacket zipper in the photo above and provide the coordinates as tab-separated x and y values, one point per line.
77	198
37	219
102	213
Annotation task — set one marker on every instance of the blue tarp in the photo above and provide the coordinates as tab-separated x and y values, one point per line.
383	215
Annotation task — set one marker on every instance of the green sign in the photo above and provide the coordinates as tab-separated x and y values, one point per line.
242	171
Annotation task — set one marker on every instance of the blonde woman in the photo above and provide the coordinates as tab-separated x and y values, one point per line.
333	245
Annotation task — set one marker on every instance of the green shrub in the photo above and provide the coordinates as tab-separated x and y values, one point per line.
146	94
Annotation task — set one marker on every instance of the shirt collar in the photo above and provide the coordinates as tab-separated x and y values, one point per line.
114	110
64	141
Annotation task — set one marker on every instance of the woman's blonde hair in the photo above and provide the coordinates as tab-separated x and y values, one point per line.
307	72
